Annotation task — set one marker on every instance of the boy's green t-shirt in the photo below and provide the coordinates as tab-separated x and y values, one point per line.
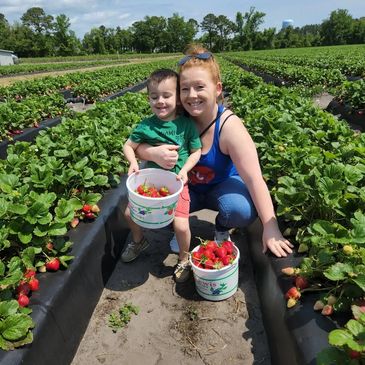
180	131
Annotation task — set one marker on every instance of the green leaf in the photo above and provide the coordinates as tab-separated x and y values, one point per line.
8	308
360	281
3	207
16	327
25	237
355	327
331	356
18	209
81	164
339	337
100	180
338	271
57	229
61	153
87	173
8	182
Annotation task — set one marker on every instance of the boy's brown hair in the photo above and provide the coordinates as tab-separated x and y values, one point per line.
162	74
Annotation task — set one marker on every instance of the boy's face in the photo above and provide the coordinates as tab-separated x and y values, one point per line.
163	98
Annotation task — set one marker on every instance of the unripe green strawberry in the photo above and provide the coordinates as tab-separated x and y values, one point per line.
348	250
291	303
302	248
75	221
331	300
42	268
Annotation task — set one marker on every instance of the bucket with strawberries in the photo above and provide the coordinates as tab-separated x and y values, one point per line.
152	197
215	269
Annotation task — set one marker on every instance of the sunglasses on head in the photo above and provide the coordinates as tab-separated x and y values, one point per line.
201	56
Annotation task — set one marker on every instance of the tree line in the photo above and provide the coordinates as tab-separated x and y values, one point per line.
39	34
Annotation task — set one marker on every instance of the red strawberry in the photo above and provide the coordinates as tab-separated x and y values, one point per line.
197	263
228	245
209	264
49	246
327	310
34	284
23	300
23	288
209	254
197	256
86	208
227	260
53	264
293	292
220	252
301	282
164	191
29	273
354	354
211	244
90	215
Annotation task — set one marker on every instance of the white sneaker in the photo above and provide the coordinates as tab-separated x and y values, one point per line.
222	236
174	246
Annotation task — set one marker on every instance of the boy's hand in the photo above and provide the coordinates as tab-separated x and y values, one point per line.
133	167
183	175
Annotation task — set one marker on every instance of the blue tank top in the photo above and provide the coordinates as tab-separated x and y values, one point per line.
213	167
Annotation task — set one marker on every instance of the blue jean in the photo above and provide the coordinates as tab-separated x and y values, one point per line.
230	199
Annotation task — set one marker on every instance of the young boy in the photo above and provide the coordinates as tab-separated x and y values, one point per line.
165	126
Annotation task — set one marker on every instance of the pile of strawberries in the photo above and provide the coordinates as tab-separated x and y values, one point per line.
212	256
87	212
300	283
152	191
28	284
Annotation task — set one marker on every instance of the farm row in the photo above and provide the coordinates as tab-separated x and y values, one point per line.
312	162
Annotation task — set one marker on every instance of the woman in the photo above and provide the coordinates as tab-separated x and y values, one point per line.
228	176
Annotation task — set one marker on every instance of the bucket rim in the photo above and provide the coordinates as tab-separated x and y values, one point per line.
130	191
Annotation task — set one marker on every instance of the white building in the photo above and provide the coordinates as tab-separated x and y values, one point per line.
7	58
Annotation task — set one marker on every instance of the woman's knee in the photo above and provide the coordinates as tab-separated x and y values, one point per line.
181	225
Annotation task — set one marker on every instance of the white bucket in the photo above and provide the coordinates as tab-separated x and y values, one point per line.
216	284
150	212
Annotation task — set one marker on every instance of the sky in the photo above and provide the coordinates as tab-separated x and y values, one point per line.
87	14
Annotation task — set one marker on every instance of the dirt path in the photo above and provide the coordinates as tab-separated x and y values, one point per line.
175	325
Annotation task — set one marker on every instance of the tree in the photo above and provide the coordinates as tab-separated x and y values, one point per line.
179	33
338	28
123	40
4	32
93	42
40	26
209	25
224	28
65	40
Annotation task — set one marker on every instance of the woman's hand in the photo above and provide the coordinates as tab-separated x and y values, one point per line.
133	167
164	155
274	241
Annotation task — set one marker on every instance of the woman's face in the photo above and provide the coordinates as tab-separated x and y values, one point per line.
198	91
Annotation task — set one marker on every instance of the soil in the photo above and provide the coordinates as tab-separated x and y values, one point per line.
174	324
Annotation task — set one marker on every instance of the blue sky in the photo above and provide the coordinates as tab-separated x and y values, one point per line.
85	14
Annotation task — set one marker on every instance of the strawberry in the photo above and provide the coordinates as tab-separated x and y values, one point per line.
327	310
301	282
348	250
53	264
220	252
23	300
90	215
211	244
42	268
29	273
209	264
290	271
227	260
302	248
34	284
74	223
293	292
228	245
354	354
209	254
197	255
23	288
164	191
318	305
291	302
331	300
49	246
95	208
86	208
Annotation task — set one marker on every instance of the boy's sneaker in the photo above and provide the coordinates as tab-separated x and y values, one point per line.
182	271
174	246
133	250
222	236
